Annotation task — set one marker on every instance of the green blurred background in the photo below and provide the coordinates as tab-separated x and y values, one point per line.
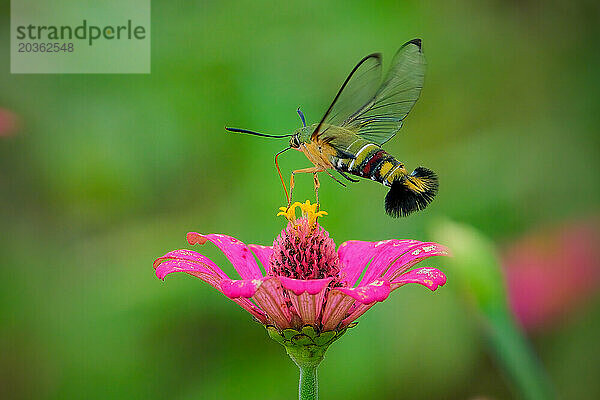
101	174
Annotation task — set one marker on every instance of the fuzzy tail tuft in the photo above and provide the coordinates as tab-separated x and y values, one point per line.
411	193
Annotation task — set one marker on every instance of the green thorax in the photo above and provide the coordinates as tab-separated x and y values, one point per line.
335	135
304	133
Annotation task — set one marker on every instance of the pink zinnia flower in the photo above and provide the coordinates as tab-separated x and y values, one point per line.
553	272
309	293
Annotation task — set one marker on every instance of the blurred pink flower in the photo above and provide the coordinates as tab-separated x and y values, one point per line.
8	122
551	273
306	281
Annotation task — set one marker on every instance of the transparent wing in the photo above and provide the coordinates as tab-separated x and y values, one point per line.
382	117
356	92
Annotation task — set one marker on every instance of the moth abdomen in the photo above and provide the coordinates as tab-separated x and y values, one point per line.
413	192
368	161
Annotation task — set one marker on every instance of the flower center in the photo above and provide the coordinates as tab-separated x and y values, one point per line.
304	250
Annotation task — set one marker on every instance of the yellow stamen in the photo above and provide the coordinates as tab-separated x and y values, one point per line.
309	211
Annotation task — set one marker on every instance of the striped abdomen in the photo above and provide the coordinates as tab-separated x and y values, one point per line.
371	162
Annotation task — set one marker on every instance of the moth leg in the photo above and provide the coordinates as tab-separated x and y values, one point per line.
317	186
347	177
310	170
334	178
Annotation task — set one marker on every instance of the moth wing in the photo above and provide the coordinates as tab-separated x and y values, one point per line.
381	118
340	139
356	92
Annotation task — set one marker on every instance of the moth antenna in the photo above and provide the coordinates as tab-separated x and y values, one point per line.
301	116
238	130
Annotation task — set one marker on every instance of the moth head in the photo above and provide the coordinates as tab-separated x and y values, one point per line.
295	141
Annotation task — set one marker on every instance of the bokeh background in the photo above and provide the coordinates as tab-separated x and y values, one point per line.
101	174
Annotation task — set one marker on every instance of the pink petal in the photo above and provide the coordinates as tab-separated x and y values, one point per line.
247	305
269	297
236	252
354	256
168	266
375	291
336	309
385	253
240	288
415	255
429	277
192	256
308	306
263	253
306	296
356	312
299	286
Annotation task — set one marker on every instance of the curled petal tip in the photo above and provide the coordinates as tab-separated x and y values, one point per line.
445	251
195	238
169	266
378	290
240	288
163	271
299	286
431	278
161	274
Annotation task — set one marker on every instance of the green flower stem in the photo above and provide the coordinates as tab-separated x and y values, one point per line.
306	347
307	358
309	387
